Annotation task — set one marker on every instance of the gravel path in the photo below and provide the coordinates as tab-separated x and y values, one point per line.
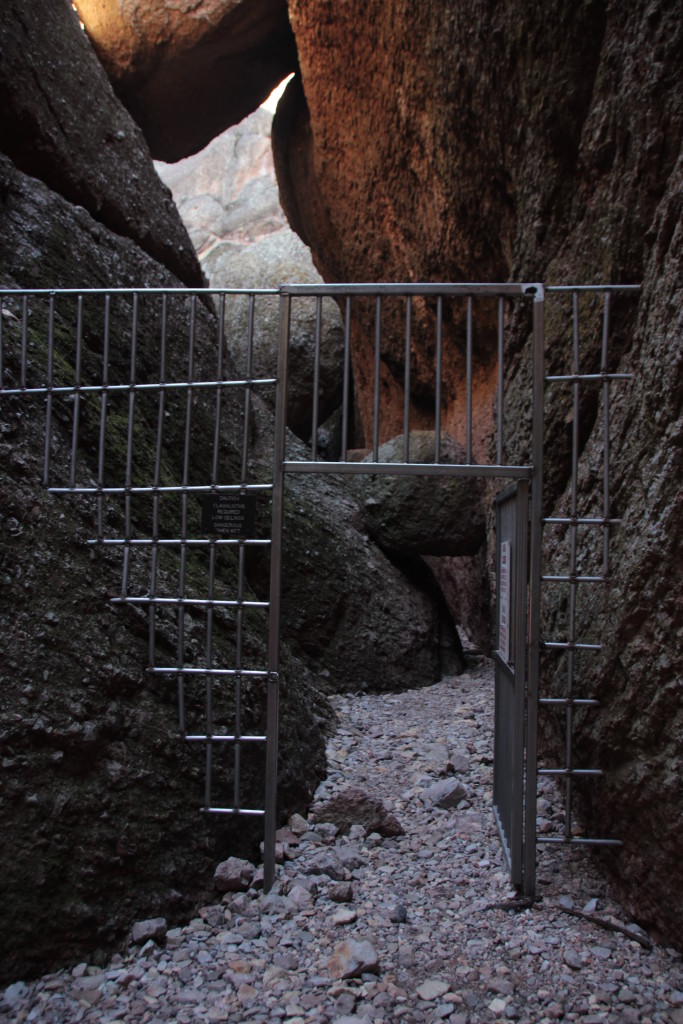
366	928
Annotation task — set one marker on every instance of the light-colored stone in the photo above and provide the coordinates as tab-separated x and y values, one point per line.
445	794
432	990
153	929
346	915
353	958
233	875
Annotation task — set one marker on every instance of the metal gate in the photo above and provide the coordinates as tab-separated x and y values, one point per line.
181	507
510	658
458	314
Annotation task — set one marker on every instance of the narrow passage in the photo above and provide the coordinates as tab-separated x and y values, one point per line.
366	928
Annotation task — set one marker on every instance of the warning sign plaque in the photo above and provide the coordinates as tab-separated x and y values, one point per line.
504	602
229	514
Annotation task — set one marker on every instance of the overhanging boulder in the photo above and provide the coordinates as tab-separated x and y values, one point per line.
188	70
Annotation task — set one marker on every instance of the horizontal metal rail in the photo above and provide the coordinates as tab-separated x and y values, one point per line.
573	701
582	520
180	542
409	469
186	670
574	579
576	378
241	811
222	738
163	489
189	292
577	841
569	645
569	289
413	288
132	389
195	602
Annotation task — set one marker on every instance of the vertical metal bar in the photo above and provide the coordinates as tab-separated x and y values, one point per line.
48	400
347	377
272	711
237	750
208	681
499	437
573	537
183	516
103	418
129	446
439	370
468	373
375	404
219	392
50	369
24	340
606	438
518	627
406	382
157	481
77	394
316	378
247	392
535	559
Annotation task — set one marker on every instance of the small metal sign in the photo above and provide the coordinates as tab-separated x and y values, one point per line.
229	514
504	602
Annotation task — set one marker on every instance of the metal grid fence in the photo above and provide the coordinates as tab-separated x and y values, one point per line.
586	531
148	417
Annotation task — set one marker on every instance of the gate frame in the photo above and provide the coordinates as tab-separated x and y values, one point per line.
532	473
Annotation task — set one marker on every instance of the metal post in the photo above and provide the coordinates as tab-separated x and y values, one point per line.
535	559
273	683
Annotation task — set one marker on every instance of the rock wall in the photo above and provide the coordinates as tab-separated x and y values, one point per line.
100	799
60	122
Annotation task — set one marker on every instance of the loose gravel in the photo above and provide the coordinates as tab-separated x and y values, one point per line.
364	928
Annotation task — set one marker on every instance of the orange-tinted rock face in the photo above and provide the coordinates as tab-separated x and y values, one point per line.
188	70
399	157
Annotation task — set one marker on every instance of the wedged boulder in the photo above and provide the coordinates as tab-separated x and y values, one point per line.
347	610
61	123
422	515
228	198
188	70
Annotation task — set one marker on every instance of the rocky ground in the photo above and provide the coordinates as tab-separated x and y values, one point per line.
365	925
